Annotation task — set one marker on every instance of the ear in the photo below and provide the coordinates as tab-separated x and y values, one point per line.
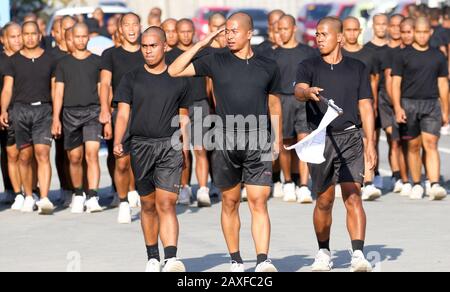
249	34
340	38
166	47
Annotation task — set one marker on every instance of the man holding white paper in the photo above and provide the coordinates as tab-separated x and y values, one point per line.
346	81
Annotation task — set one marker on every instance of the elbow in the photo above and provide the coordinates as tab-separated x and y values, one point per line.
171	71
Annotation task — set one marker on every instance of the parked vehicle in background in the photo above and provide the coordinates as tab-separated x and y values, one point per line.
311	13
201	19
5	11
86	12
260	32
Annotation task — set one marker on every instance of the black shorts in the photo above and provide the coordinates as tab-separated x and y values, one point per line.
422	116
126	142
197	114
387	116
294	117
32	124
344	153
81	125
156	164
244	160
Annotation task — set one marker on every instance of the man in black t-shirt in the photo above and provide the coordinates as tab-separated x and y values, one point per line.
246	87
170	28
346	81
116	62
420	98
28	87
198	112
77	94
156	150
288	56
13	42
267	47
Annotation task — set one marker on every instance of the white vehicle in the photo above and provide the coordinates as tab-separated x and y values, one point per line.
4	12
86	12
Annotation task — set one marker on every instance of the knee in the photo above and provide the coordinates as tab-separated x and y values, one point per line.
325	204
414	147
430	145
258	205
123	166
230	205
166	207
353	202
148	208
92	157
25	159
42	156
13	156
75	158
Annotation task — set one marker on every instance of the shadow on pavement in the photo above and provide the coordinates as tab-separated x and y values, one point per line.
374	254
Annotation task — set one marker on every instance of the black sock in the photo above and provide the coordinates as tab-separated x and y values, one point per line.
418	184
276	177
91	194
153	252
324	245
170	252
296	178
396	175
78	192
124	200
358	245
369	183
377	173
261	258
288	182
236	257
433	184
18	194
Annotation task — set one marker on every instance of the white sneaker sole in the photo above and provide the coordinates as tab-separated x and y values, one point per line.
372	197
269	269
362	268
438	196
175	268
321	269
306	201
203	204
292	199
46	209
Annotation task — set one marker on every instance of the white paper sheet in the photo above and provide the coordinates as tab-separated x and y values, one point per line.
312	148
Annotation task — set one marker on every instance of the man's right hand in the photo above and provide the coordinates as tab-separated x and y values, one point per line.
56	128
4	120
210	38
400	116
118	150
313	93
105	117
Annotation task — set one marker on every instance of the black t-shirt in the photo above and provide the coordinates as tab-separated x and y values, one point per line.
155	100
3	65
439	37
241	87
197	84
80	78
346	83
380	54
367	56
119	62
58	54
288	60
32	78
420	72
265	49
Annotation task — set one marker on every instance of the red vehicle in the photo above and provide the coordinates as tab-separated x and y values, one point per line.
310	15
202	16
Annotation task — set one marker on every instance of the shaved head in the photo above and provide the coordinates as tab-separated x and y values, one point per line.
217	16
289	18
244	20
155	30
275	15
408	22
422	21
185	21
170	21
333	22
351	20
382	16
80	25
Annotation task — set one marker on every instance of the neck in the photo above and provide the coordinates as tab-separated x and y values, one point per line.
32	53
352	47
421	48
63	47
185	48
335	57
157	68
8	52
394	43
244	54
435	23
81	54
379	41
131	47
291	44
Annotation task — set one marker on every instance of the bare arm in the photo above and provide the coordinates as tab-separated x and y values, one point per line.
374	81
388	76
105	92
276	118
8	85
303	92
123	117
443	93
184	123
57	108
368	121
396	99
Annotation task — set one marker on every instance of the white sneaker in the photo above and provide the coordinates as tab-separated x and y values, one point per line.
45	207
203	199
278	190
323	262
304	195
417	193
406	190
237	268
427	188
78	204
18	203
174	265
359	263
378	182
29	205
134	199
185	196
370	193
266	267
289	193
67	198
437	193
92	205
153	266
116	200
338	191
244	195
445	131
124	213
398	186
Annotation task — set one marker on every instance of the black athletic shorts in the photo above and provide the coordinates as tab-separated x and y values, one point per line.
81	125
32	124
126	142
422	116
242	159
344	154
387	115
197	114
156	164
294	117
